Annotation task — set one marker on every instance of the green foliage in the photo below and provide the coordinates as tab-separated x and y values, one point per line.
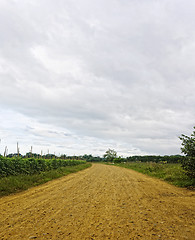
146	158
90	158
110	155
13	184
188	148
188	165
188	144
157	159
30	166
119	160
170	172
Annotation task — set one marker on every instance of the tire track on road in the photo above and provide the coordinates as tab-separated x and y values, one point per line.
102	202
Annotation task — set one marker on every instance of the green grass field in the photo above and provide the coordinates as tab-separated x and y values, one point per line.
170	172
13	184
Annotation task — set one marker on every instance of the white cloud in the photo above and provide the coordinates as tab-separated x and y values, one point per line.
115	74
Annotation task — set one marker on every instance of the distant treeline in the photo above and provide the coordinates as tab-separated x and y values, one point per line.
91	158
163	159
168	159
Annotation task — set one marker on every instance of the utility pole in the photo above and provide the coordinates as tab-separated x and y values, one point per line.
0	142
6	152
18	150
31	151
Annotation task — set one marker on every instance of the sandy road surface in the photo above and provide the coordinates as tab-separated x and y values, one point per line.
102	202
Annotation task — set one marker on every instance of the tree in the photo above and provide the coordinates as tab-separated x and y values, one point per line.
188	148
188	144
110	155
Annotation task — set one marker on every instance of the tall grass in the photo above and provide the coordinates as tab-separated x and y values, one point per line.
170	172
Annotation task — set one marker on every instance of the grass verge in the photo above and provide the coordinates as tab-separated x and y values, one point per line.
170	172
14	184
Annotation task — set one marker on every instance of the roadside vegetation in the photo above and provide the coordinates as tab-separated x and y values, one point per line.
18	174
188	148
29	166
170	172
178	170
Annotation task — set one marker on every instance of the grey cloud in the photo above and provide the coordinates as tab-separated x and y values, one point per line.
114	71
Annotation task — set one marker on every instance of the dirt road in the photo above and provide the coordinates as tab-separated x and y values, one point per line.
102	202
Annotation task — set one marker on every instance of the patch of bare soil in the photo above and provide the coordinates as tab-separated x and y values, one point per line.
102	202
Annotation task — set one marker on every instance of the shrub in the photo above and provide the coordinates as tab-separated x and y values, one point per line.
188	148
188	164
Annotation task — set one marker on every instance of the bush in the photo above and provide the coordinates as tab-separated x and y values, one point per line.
188	148
188	164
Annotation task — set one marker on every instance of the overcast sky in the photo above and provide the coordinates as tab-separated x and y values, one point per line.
82	76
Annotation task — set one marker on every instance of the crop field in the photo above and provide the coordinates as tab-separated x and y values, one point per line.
18	174
30	166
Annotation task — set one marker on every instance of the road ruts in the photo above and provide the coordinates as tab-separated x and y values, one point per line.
102	202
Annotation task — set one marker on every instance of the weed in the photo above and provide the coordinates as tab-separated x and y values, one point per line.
170	172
